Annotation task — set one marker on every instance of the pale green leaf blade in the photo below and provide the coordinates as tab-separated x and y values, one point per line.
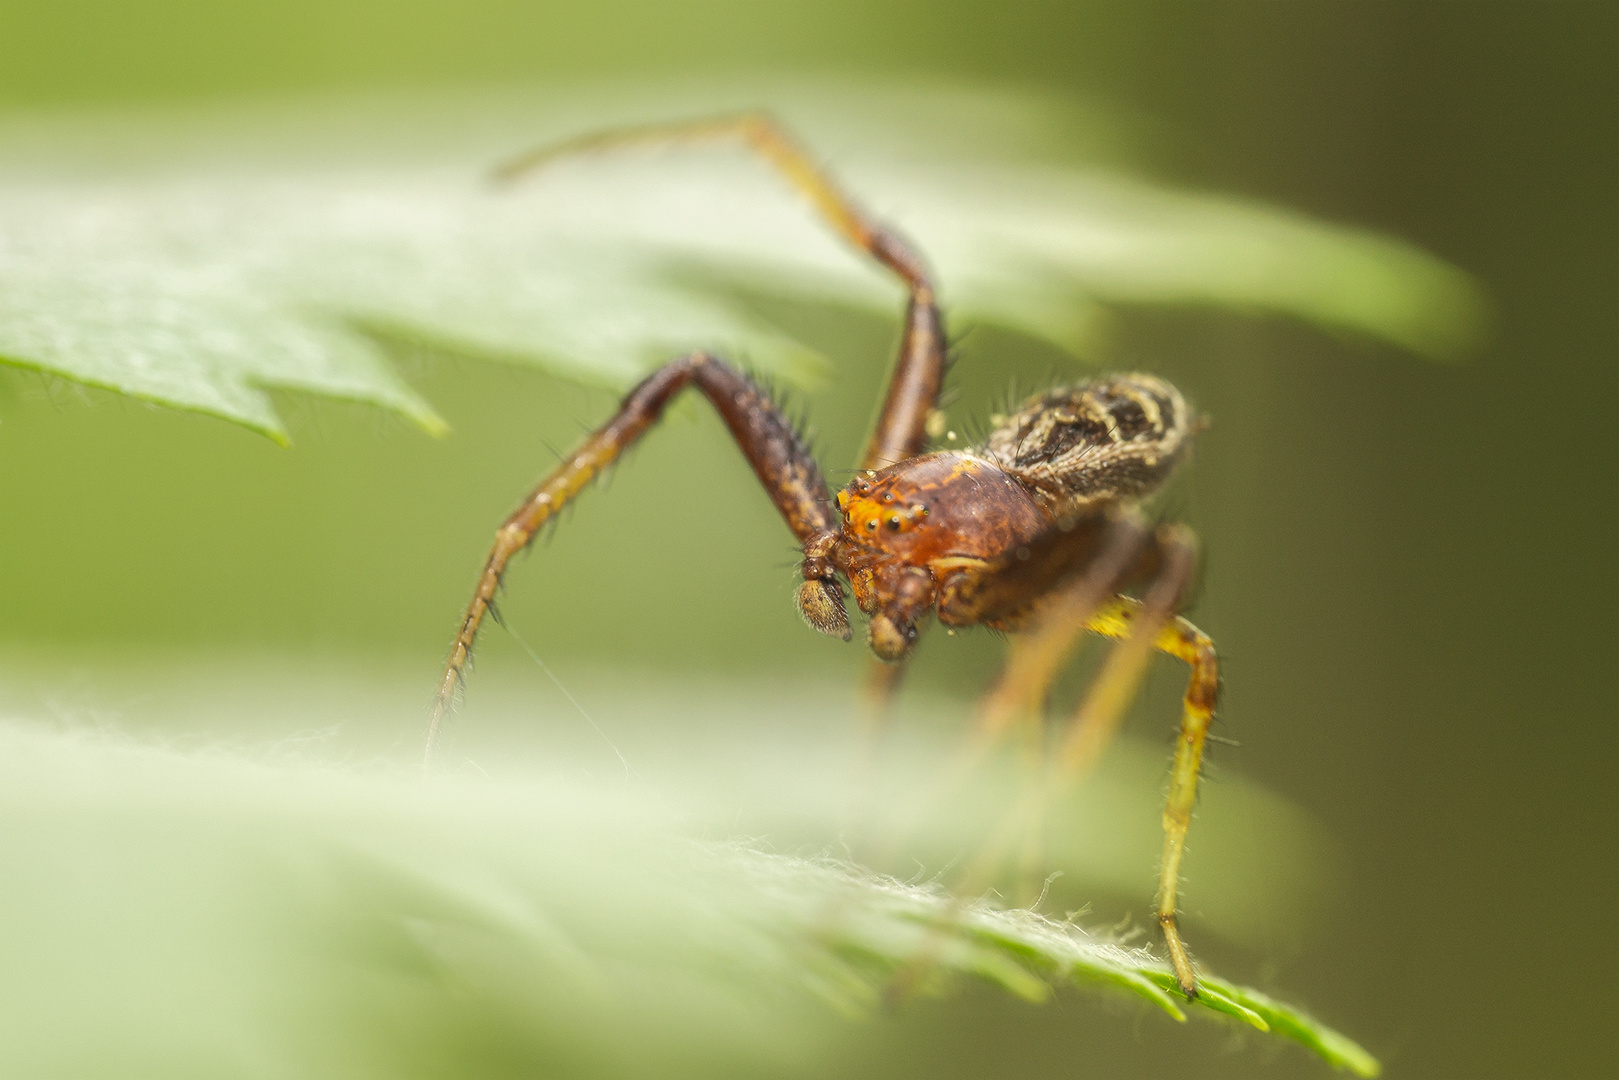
240	253
1041	238
327	921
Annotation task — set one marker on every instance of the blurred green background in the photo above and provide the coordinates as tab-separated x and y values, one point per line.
1409	564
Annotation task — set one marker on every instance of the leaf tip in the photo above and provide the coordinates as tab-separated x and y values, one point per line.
432	423
1347	1054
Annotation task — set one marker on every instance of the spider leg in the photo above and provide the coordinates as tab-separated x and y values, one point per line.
767	438
765	136
1108	550
901	430
1142	626
913	389
1168	557
882	682
1049	602
1037	656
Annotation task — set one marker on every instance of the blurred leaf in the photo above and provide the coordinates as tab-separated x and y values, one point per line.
199	260
207	913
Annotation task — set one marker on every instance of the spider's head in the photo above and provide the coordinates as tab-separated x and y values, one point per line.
881	510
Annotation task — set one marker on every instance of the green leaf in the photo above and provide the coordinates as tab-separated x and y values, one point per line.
201	260
211	912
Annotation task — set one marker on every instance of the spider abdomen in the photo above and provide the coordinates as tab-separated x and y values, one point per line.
1107	440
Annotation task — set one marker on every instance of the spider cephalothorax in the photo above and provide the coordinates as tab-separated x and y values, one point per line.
922	533
1037	531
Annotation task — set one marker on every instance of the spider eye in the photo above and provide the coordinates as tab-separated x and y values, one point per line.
893	524
872	524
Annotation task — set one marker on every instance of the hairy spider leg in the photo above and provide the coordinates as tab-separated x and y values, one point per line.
913	390
1094	724
1140	627
767	439
901	428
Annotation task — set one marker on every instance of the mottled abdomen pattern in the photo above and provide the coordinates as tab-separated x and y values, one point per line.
1112	439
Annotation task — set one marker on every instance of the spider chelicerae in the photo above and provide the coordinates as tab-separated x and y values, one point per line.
1037	532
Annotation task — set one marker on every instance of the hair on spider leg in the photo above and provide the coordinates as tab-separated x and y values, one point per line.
556	455
955	344
789	403
803	429
546	533
603	480
995	632
542	537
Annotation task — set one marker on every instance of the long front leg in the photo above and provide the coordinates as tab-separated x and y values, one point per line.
913	389
768	440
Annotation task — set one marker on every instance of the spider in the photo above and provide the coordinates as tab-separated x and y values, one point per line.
1037	532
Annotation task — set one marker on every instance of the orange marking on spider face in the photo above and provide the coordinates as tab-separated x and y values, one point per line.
939	506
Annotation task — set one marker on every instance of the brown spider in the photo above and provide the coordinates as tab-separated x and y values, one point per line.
1036	532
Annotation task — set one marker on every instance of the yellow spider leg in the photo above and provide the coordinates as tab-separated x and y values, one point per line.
1140	626
1092	730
